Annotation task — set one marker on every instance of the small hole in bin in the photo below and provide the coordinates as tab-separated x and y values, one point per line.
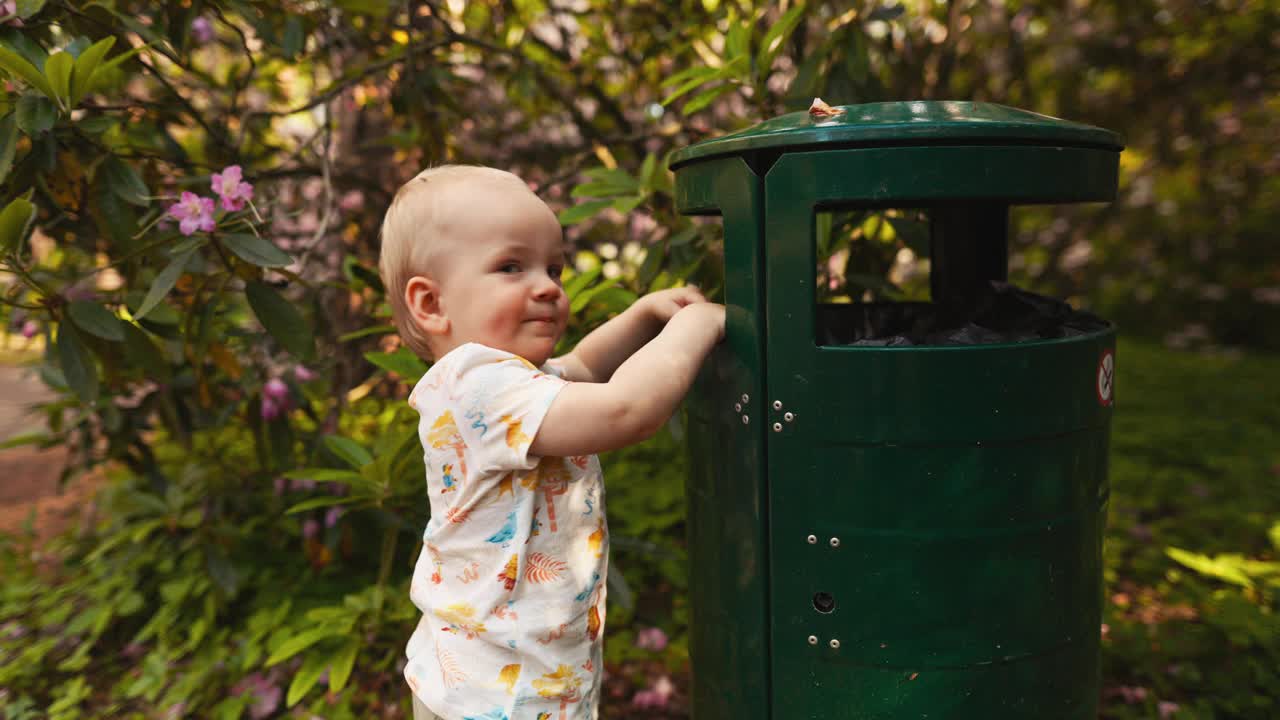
824	603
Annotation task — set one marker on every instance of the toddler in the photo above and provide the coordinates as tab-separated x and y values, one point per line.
511	579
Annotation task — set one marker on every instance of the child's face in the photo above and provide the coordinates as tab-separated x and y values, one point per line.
500	284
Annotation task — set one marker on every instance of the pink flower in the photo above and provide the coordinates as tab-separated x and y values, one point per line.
656	696
332	515
201	30
228	185
310	528
195	212
276	390
281	485
1167	708
651	639
303	374
10	7
270	409
30	328
266	694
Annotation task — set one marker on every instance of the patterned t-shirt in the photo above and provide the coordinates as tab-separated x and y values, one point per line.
510	581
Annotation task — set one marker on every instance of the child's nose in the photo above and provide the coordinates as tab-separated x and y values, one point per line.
548	289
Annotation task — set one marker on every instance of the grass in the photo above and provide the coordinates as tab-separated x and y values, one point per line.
1195	464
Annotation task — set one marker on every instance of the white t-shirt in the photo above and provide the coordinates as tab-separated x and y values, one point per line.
511	579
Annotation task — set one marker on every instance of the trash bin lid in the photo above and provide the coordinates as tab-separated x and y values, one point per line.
915	123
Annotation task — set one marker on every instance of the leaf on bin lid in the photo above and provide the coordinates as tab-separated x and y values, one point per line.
820	109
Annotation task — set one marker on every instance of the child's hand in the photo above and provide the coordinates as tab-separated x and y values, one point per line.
709	315
664	304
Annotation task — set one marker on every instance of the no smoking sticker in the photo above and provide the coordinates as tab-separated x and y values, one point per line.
1106	376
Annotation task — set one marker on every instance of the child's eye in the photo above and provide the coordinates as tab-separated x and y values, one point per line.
509	267
555	271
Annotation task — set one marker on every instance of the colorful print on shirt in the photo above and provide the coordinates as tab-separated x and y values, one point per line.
510	579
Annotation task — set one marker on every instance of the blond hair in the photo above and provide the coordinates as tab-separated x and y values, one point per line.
411	235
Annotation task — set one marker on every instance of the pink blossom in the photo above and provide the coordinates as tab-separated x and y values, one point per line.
201	30
656	695
195	212
30	328
281	485
270	409
276	390
228	185
1167	709
10	7
266	694
651	639
310	528
303	374
332	516
351	201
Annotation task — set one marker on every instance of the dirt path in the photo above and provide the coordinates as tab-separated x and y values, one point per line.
28	475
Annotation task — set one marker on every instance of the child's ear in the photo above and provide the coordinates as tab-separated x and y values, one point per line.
422	295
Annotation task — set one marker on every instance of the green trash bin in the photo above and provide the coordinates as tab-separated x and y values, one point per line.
889	530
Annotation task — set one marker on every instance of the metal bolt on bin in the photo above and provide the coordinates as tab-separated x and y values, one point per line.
950	486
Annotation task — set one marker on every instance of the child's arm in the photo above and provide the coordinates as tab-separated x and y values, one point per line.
600	353
588	418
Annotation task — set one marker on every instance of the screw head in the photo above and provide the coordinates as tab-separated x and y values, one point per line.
777	404
777	427
835	644
745	397
737	407
745	420
813	639
835	542
813	539
789	417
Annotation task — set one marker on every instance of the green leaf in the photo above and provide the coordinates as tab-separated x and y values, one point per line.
1221	567
321	502
738	39
305	679
683	237
341	664
141	352
125	182
8	143
15	64
58	69
698	73
28	8
349	450
578	213
96	319
651	265
401	362
581	280
255	250
35	114
293	37
281	319
29	438
705	99
341	475
164	283
366	332
15	219
298	643
585	297
697	80
647	168
625	205
86	65
776	37
77	365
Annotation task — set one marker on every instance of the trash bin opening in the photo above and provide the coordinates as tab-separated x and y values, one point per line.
1002	313
869	255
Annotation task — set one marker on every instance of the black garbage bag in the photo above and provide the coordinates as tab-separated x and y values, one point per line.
1000	313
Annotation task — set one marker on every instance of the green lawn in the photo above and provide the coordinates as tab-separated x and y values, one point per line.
1195	465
